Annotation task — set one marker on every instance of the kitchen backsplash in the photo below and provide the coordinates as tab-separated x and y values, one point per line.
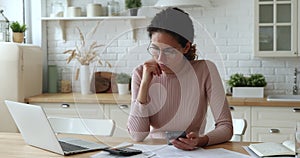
223	33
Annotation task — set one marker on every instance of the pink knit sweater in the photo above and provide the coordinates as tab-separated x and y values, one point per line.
179	102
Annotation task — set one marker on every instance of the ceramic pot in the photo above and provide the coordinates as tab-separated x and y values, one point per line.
18	37
123	89
133	11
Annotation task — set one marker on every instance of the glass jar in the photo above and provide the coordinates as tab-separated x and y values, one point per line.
65	83
57	9
113	8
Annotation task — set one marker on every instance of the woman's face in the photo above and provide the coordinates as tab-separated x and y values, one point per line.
167	52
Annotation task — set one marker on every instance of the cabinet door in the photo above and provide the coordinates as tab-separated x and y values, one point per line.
236	112
275	116
73	110
243	112
275	28
268	134
274	123
119	113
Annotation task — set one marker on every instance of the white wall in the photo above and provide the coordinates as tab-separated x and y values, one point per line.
13	9
224	34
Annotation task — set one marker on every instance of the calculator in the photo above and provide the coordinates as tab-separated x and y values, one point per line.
123	151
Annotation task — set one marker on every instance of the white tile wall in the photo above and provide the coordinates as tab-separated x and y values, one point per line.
224	33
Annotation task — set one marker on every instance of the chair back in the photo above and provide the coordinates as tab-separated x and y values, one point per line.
101	127
239	128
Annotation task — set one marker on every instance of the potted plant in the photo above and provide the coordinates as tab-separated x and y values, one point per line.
133	6
18	31
123	81
250	87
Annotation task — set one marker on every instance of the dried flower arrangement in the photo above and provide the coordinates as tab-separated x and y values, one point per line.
84	54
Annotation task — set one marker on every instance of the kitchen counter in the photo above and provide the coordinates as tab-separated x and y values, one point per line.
260	102
101	98
115	98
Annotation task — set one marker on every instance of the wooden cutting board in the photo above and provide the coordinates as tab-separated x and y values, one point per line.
104	82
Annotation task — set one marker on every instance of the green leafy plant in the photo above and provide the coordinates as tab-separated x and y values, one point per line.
133	4
256	80
123	78
17	27
239	80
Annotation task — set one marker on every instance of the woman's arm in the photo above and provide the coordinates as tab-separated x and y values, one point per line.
138	121
219	106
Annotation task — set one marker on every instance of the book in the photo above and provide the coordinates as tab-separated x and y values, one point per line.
268	149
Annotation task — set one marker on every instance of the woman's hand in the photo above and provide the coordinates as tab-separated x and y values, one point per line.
192	141
150	69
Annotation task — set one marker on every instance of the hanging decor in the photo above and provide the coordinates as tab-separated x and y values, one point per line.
4	27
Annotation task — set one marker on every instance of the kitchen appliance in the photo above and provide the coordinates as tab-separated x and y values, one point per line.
20	77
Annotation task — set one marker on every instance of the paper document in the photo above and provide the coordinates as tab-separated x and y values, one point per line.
169	151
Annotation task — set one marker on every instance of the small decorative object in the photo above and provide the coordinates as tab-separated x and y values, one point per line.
93	10
85	55
74	11
57	9
4	28
65	84
248	87
123	81
113	8
133	6
18	31
52	78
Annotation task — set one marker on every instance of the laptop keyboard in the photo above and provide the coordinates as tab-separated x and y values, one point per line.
70	147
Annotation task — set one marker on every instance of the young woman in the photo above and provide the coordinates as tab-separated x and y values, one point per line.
172	91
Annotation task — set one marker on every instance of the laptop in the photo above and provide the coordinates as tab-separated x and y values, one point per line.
36	131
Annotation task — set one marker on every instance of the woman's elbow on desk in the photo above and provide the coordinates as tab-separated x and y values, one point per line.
138	136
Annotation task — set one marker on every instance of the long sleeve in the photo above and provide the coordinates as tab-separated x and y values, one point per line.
138	122
217	100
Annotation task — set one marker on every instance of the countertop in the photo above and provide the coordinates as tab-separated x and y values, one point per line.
102	98
115	98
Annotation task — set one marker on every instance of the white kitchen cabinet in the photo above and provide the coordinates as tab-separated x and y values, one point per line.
269	134
275	28
273	123
74	110
243	112
119	113
236	112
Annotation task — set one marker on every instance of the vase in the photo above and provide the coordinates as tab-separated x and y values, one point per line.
52	78
85	79
18	37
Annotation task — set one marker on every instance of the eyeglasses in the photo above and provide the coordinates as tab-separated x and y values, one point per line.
155	51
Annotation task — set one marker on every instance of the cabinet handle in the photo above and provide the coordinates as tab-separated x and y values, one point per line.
231	108
65	105
296	110
274	130
123	106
